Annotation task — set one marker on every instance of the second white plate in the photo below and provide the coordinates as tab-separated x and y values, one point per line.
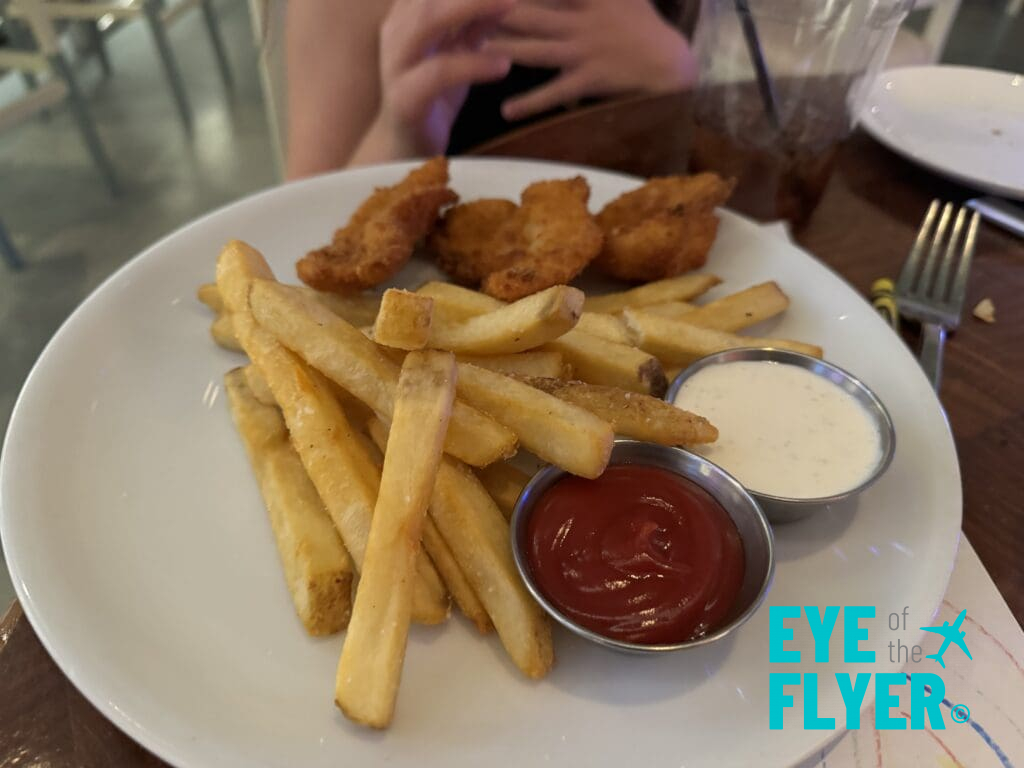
964	122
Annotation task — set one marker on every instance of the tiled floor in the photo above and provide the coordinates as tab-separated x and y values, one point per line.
73	234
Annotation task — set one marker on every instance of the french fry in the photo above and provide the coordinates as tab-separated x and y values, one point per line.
237	266
530	363
319	430
404	319
222	329
453	303
511	328
678	343
673	309
681	288
208	294
504	483
604	326
454	578
592	358
258	385
317	567
358	309
739	310
558	432
478	535
356	364
632	415
439	551
374	650
600	361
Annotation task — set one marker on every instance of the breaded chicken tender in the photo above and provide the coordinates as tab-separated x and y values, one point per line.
557	238
381	235
662	229
513	251
465	243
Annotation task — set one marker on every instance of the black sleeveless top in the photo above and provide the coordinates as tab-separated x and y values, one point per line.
480	117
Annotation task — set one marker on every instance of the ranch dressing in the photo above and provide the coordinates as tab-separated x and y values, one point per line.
783	430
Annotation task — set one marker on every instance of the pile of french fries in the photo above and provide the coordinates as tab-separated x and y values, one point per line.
380	429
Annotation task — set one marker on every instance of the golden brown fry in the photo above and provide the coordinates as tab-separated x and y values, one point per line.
592	359
553	237
504	483
600	361
664	228
439	551
359	366
319	430
739	310
555	431
359	309
453	303
673	309
237	266
682	288
222	329
508	329
379	238
516	327
679	343
404	320
478	535
371	659
317	567
472	240
535	362
210	296
632	415
605	326
258	385
479	538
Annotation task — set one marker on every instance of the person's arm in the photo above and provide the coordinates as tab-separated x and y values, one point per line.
333	82
372	86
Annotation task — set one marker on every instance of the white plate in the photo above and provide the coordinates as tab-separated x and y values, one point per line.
142	555
964	122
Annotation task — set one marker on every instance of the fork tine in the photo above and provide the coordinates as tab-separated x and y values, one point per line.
906	279
924	284
959	290
942	287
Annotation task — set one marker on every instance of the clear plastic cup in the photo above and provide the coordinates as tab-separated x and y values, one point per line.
820	58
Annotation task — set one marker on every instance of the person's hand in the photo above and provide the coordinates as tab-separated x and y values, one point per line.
431	51
602	47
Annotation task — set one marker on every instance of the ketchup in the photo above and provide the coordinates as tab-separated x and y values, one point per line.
640	554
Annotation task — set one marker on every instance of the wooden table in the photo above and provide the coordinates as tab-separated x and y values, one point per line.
862	229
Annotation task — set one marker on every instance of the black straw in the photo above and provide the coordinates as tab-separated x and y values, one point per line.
764	80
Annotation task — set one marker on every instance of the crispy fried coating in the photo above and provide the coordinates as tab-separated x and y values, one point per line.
513	251
550	239
662	229
465	243
379	238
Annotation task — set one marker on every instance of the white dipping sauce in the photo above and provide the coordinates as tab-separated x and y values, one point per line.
783	430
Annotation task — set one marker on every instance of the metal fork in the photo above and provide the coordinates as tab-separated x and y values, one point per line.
933	292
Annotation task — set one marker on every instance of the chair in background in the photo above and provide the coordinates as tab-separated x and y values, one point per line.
8	252
268	20
46	56
158	15
911	49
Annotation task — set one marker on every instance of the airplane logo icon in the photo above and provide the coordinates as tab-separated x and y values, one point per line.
950	634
